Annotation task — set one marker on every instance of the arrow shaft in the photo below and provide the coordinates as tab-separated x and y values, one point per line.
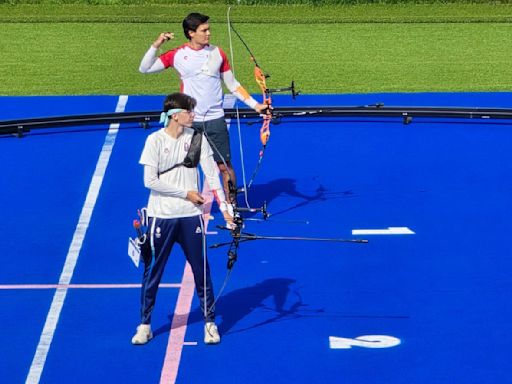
255	237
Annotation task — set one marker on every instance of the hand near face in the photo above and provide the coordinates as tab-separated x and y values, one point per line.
163	38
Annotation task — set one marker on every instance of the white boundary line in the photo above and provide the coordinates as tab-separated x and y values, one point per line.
37	366
388	231
14	287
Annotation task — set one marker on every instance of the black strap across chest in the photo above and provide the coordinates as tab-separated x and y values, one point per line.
193	155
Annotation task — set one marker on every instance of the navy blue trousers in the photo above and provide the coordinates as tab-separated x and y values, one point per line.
163	234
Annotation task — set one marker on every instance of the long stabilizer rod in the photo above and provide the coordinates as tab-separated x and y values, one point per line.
21	126
249	237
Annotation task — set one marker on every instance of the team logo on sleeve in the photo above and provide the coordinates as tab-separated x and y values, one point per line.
187	146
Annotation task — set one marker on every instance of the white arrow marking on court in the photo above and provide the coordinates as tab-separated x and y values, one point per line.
367	341
389	231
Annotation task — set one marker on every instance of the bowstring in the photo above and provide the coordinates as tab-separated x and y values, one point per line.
242	163
208	310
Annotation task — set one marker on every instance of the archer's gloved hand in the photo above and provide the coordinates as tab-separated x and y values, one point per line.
229	220
227	212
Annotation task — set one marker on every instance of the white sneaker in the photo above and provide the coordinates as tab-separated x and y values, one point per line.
211	333
143	334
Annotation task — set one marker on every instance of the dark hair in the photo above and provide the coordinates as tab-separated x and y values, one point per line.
179	100
192	22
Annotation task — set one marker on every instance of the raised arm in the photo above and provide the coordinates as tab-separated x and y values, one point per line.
150	62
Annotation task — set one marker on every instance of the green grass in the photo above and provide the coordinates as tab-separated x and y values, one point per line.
300	14
252	2
390	54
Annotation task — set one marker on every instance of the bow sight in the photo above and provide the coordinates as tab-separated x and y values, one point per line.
290	89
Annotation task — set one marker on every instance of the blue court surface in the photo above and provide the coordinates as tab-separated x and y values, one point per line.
428	302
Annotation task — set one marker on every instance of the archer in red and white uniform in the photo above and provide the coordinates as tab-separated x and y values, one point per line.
202	68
